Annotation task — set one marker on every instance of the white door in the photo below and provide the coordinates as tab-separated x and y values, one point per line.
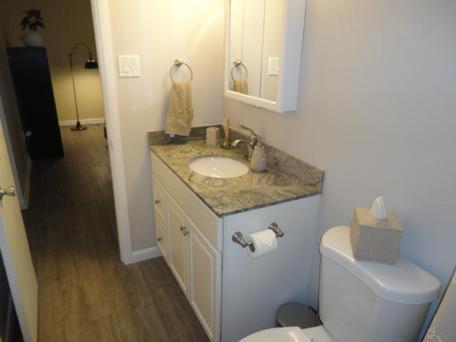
16	253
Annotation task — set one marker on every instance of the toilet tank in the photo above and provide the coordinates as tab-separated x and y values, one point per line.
361	301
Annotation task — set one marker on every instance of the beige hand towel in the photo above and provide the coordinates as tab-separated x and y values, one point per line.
180	110
240	86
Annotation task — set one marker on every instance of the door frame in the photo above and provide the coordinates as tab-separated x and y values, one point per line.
107	69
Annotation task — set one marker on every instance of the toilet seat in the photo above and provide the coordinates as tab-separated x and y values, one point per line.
291	334
318	334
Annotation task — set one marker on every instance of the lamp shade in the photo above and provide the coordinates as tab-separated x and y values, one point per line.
91	64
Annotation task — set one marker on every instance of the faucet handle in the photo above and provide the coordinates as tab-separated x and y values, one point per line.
252	132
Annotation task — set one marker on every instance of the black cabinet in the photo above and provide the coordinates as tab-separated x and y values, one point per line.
32	80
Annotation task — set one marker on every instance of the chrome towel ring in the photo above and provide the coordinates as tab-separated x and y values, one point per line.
177	64
238	64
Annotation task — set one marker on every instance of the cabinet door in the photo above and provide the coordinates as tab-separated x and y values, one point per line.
161	238
178	246
205	282
32	80
160	201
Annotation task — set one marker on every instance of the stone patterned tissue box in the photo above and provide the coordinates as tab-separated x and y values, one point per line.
373	239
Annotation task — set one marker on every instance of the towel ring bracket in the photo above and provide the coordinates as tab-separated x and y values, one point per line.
177	64
238	64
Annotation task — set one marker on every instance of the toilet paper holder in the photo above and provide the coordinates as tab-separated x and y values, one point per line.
239	238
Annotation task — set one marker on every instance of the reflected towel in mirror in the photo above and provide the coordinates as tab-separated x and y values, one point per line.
240	86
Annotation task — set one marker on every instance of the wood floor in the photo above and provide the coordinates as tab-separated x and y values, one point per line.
85	292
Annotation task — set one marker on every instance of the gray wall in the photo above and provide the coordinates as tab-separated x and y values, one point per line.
14	135
377	113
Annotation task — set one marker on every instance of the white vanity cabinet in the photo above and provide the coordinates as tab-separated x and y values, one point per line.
194	262
231	293
189	237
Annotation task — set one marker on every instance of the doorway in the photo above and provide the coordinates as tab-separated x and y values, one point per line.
53	63
55	134
66	32
85	291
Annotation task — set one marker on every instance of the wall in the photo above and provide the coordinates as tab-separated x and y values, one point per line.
67	22
14	134
377	113
160	31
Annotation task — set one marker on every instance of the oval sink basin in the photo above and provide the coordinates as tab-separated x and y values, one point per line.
218	167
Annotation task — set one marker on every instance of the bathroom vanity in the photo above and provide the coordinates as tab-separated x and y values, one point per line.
196	216
204	224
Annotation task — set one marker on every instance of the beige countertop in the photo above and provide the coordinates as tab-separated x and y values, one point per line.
286	179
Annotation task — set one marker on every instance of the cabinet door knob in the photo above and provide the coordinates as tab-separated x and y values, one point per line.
159	239
184	230
157	202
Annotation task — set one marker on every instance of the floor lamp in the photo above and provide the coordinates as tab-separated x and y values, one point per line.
91	63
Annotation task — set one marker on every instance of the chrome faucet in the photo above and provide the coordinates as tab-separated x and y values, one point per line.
251	142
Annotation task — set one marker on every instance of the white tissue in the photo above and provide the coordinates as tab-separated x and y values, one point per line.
264	241
378	209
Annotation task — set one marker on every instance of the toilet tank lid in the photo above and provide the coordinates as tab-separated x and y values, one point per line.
403	282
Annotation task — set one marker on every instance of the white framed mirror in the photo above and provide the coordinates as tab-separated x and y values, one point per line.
263	52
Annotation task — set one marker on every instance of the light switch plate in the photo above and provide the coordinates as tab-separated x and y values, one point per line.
129	66
273	66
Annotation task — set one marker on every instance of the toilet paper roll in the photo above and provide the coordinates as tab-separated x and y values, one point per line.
264	241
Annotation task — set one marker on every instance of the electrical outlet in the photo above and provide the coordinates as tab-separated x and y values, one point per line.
273	66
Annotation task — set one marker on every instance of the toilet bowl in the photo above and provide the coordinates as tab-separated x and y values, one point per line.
362	301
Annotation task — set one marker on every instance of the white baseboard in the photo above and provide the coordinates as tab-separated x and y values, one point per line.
142	255
93	121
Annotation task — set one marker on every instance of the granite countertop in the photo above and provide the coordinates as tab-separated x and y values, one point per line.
252	190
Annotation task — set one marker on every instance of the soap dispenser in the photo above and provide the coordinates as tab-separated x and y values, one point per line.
258	159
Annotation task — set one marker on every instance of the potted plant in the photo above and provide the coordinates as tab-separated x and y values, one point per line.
30	24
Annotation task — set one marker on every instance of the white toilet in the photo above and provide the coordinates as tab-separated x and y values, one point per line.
363	301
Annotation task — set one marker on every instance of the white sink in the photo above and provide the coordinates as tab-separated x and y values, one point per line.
218	167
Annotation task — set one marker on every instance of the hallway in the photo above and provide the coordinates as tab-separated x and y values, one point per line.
85	292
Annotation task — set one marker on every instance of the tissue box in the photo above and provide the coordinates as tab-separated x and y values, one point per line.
373	239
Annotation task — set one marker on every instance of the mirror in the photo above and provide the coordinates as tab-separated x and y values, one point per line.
263	52
256	30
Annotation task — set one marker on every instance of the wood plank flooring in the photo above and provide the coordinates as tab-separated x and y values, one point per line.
85	292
